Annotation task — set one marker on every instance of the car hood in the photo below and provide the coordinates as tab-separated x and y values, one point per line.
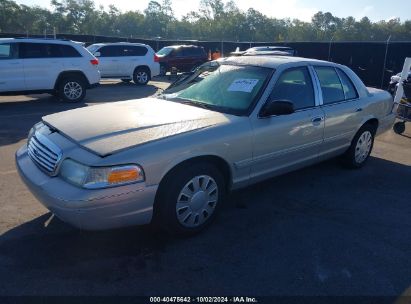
112	127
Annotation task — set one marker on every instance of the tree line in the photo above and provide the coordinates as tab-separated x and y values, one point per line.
214	20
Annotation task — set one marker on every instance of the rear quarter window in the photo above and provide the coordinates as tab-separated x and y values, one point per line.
69	51
349	89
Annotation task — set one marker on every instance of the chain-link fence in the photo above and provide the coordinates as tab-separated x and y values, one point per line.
374	62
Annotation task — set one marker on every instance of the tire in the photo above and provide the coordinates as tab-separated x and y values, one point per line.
72	89
141	76
163	70
126	80
399	127
189	199
361	147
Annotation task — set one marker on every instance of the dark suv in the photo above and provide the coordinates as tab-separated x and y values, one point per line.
182	57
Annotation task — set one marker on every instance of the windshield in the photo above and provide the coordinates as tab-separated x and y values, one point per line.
165	51
230	89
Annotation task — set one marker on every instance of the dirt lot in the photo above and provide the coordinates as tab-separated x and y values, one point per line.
323	230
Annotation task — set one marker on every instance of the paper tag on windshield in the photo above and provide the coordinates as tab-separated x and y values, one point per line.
242	85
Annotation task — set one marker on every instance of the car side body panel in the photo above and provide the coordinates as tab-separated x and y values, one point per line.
252	147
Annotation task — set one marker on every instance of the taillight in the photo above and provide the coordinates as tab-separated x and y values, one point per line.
94	61
156	58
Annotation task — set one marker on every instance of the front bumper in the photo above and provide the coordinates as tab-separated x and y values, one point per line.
88	209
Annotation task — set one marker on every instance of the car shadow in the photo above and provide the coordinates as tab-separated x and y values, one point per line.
19	114
322	230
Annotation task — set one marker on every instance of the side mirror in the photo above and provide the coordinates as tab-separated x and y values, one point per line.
277	107
97	54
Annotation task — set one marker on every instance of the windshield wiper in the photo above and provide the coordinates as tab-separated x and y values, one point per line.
199	104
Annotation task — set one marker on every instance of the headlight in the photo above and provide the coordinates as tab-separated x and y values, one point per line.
100	177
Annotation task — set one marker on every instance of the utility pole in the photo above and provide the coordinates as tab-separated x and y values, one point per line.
385	61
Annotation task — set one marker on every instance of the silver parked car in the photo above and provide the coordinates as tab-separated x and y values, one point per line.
171	159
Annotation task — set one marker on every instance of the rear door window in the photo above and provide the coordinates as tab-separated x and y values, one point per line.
131	50
331	87
47	50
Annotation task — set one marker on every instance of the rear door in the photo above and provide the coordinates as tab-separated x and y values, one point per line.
176	59
132	57
11	68
342	109
42	64
109	58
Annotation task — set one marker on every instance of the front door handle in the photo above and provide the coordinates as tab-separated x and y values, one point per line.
358	109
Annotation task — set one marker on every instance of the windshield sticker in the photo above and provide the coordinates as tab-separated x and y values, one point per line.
242	85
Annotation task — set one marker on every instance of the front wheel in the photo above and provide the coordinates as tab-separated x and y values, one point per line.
72	89
361	147
190	199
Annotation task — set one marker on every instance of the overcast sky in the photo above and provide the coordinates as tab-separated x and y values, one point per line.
375	10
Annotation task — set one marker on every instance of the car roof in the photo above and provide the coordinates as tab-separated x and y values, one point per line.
183	45
120	43
271	47
38	40
272	61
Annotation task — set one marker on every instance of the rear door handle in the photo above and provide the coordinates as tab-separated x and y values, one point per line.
317	119
358	110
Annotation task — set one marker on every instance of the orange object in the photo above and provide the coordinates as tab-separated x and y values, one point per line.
120	176
216	55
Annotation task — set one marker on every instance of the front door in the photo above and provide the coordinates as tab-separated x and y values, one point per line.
286	142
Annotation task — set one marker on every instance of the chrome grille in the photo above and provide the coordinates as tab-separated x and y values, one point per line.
44	153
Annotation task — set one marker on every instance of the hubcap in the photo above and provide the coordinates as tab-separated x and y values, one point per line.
72	90
363	147
197	201
141	77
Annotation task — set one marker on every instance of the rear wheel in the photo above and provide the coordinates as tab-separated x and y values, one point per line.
163	70
72	89
190	199
361	147
141	76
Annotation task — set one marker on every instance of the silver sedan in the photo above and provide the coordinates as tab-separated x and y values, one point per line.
171	159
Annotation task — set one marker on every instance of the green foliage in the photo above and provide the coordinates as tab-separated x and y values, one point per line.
214	20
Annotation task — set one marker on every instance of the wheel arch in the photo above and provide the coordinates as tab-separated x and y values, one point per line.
64	74
218	161
372	122
143	66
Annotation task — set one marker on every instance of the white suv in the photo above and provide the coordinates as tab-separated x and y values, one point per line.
60	67
126	61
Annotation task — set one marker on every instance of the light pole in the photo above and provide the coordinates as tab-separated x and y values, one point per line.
329	48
